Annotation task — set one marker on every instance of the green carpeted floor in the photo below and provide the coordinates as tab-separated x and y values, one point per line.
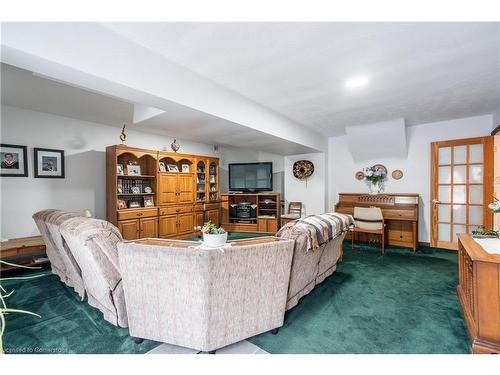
397	303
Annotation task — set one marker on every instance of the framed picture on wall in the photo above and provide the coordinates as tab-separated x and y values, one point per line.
14	160
48	163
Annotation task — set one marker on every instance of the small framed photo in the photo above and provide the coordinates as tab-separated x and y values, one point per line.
172	168
122	204
14	160
119	169
185	168
136	190
48	163
163	168
149	201
133	170
133	204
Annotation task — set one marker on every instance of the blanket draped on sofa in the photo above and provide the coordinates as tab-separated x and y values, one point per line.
319	229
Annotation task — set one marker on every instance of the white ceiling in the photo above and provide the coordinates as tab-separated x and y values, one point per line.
423	72
21	88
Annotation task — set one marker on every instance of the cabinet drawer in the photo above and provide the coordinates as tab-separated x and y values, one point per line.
175	210
137	214
198	207
399	214
212	206
400	236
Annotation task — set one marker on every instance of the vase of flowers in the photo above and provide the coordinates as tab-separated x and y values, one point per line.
375	177
494	206
213	236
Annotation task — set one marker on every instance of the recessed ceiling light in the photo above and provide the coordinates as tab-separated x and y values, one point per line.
356	82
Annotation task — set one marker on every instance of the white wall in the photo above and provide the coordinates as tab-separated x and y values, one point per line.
416	167
84	144
313	194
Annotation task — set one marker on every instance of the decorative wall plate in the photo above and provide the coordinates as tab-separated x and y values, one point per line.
397	174
359	175
303	169
382	168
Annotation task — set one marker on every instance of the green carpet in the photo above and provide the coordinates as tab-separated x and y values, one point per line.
67	325
397	303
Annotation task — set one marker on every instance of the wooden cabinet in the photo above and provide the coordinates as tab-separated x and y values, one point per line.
138	228
185	224
168	226
479	294
185	188
213	216
175	188
265	214
176	225
400	212
199	218
167	189
129	229
267	225
172	181
148	227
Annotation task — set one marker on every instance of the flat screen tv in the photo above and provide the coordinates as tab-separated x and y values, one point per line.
250	177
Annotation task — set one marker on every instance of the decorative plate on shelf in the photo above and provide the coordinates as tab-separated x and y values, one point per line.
303	169
359	175
397	174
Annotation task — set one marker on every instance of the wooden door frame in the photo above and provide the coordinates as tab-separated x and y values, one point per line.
488	175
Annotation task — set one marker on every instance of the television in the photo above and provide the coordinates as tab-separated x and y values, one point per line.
251	177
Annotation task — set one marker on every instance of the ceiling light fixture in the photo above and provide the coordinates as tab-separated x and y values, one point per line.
356	82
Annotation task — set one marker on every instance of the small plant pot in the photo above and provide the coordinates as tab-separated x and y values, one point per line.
214	240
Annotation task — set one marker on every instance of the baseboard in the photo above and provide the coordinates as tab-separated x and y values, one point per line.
426	244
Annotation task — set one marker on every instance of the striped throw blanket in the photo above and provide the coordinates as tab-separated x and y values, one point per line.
319	229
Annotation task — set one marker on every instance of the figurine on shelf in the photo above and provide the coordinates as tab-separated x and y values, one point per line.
123	136
175	146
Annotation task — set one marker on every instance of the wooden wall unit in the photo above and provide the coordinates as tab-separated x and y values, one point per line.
479	294
178	208
268	212
400	213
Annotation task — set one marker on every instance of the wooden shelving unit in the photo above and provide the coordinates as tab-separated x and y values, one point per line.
267	212
184	191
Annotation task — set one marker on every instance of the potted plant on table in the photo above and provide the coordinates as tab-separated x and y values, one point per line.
213	236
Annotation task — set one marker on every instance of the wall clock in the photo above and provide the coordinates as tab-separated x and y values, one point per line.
303	169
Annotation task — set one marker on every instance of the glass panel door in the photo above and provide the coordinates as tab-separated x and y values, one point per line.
460	189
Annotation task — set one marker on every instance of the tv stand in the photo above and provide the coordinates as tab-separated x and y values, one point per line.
267	212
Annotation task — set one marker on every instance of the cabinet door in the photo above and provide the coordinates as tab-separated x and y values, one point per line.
213	216
185	188
262	225
272	226
149	227
129	229
168	189
168	226
199	218
185	223
225	210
